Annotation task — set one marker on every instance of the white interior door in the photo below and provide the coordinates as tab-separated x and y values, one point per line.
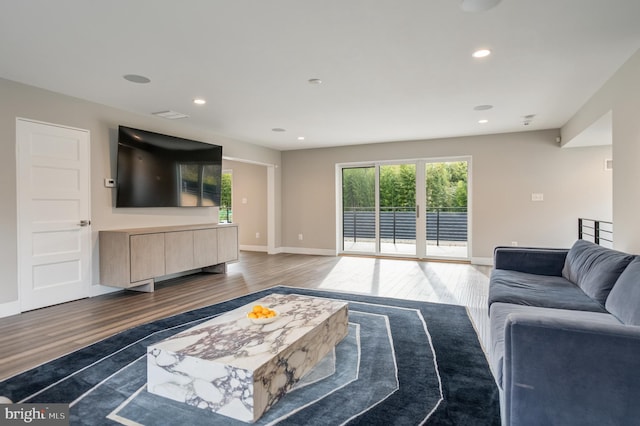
54	238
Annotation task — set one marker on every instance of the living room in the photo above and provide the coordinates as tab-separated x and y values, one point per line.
507	166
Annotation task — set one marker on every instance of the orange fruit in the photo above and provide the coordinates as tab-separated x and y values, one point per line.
259	311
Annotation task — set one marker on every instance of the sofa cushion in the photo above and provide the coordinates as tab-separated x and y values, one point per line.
540	261
624	299
522	288
500	312
594	268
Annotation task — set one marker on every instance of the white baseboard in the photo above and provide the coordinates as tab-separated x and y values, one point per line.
9	308
253	248
292	250
13	308
311	251
485	261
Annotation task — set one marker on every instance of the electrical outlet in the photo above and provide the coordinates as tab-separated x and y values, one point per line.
537	197
300	237
514	243
257	235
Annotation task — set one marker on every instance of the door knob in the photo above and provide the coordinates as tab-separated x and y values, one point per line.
85	222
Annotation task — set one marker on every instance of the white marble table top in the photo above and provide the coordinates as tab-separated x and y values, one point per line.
234	367
233	340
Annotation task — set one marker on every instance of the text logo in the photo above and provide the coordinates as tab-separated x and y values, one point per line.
35	414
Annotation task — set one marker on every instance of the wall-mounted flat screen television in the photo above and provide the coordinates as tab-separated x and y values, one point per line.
156	170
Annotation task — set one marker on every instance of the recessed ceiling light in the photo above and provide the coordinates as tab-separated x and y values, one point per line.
482	107
278	129
315	81
134	78
300	138
482	53
199	101
483	121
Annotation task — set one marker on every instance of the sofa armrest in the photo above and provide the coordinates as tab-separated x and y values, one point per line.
570	372
540	261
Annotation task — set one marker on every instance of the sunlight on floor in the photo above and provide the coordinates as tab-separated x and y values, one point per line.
437	282
441	282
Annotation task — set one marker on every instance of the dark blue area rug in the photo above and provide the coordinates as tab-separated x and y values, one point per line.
402	363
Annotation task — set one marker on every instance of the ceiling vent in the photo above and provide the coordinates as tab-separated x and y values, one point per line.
171	115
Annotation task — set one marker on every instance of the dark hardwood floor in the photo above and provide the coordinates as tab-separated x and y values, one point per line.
35	337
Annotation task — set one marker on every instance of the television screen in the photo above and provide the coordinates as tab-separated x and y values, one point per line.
155	170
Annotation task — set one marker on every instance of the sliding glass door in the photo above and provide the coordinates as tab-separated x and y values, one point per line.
397	209
415	209
446	186
359	209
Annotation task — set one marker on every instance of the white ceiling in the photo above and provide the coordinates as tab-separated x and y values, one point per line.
600	132
391	69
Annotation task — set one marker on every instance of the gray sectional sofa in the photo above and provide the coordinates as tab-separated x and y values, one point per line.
565	335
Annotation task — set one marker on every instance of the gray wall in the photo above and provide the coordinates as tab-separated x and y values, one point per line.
506	169
250	184
17	100
621	96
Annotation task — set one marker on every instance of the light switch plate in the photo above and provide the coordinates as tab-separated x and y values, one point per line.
537	197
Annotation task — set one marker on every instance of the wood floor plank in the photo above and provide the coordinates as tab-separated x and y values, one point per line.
32	338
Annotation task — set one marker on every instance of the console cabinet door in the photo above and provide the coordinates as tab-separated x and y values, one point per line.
205	247
147	256
178	251
227	244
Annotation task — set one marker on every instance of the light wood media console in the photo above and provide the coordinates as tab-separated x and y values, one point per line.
134	258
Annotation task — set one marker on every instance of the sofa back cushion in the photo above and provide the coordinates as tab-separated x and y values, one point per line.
624	299
594	268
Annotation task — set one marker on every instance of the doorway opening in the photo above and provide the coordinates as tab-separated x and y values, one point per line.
225	212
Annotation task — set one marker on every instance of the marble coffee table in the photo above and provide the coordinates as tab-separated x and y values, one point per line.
239	369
